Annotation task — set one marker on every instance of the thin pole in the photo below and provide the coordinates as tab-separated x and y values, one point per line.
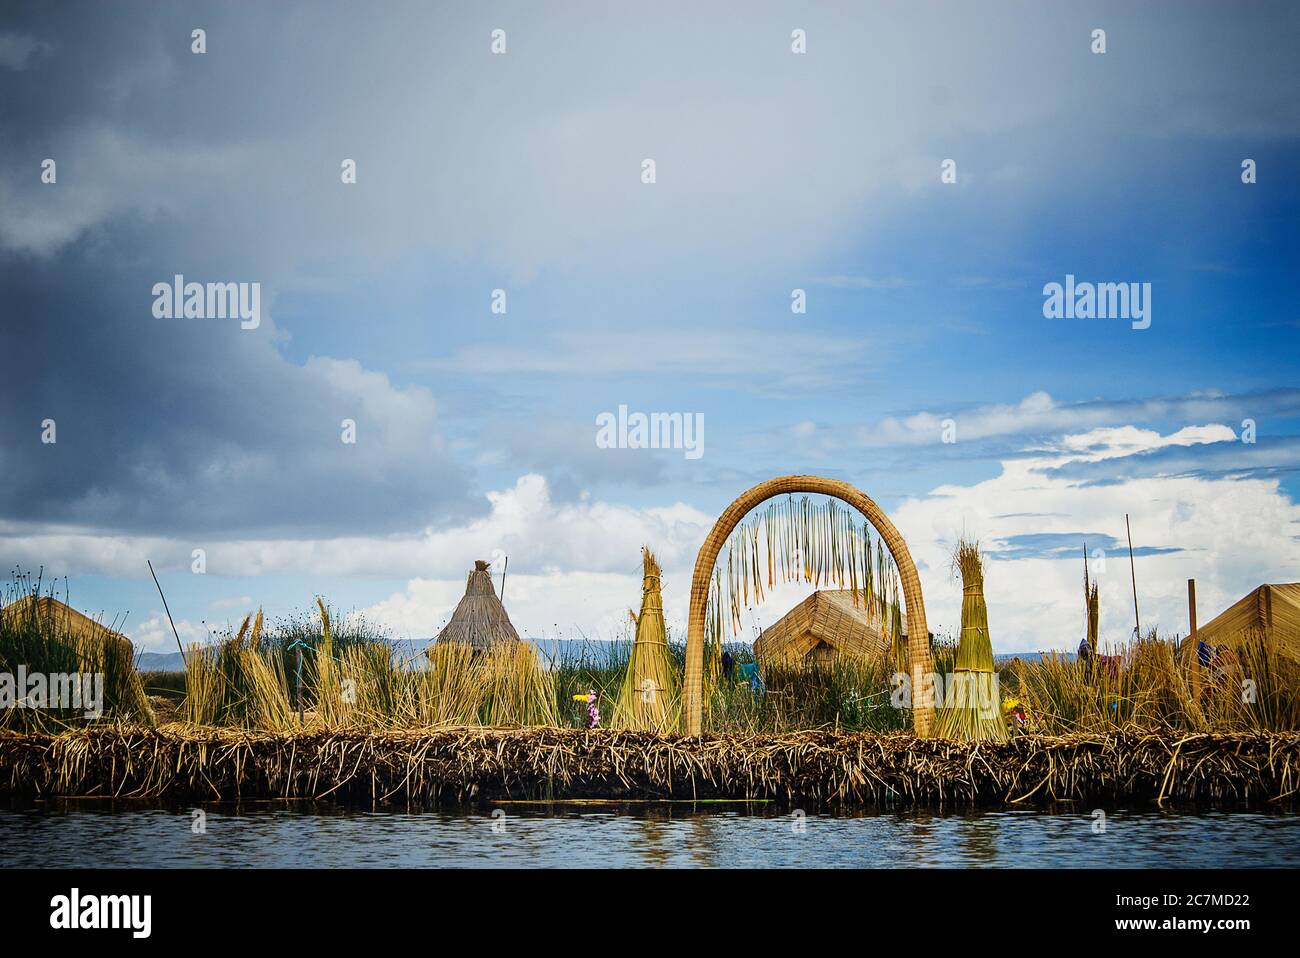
167	610
1137	621
504	570
1192	640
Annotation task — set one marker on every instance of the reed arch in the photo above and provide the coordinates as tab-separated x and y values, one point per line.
918	634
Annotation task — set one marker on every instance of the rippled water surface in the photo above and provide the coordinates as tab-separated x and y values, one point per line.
80	834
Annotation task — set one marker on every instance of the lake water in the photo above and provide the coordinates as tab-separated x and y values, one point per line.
92	835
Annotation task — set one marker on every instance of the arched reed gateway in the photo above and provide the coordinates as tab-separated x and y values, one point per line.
918	634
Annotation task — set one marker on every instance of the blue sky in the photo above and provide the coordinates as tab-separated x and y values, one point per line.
521	172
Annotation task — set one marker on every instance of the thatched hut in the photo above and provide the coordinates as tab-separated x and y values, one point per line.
62	619
1270	611
826	624
480	620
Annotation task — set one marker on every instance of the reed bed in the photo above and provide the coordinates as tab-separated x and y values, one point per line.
1149	684
810	769
847	694
244	681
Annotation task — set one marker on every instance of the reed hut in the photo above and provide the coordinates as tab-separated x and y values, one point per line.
66	639
1270	611
827	624
480	620
61	619
647	700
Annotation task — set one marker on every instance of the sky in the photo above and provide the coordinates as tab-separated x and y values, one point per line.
921	172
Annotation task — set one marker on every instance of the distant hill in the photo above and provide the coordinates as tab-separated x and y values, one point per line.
596	652
404	649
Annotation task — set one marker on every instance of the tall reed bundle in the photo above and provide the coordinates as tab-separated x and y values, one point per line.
972	707
648	698
1091	605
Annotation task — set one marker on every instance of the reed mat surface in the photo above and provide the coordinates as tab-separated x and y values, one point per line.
812	769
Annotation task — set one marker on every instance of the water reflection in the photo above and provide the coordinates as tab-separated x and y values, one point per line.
97	834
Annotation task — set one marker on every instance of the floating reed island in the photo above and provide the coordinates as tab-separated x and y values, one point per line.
846	700
809	770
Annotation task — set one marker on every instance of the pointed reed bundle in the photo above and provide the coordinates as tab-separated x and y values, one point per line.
648	697
972	707
1091	604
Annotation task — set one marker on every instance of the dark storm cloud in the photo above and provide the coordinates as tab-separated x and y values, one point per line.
179	426
196	425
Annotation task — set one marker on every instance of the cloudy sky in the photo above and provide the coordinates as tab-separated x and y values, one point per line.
522	171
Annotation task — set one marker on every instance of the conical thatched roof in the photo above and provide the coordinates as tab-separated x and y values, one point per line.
480	620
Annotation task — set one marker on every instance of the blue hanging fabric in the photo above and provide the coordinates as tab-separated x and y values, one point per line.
1204	653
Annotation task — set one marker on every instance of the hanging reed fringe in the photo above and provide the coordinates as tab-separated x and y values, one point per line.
813	769
796	540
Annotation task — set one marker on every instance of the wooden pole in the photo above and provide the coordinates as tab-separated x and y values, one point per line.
167	610
504	570
1137	620
1191	638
